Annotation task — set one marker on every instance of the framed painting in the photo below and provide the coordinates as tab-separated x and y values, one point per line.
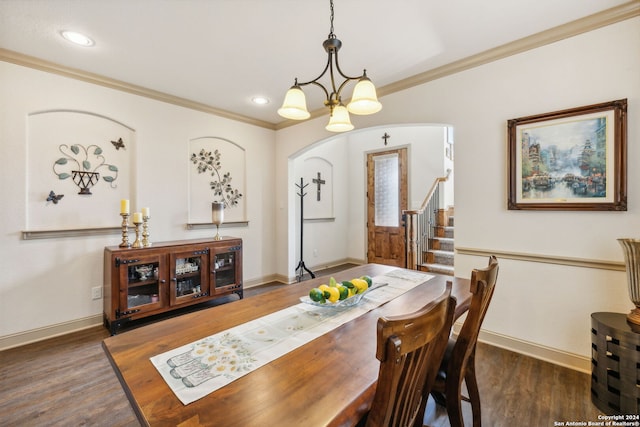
572	159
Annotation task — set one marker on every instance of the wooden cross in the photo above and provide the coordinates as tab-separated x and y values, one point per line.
385	137
318	181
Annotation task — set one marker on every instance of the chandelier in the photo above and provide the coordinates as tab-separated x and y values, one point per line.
363	101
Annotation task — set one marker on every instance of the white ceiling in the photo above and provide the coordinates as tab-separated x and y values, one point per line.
221	53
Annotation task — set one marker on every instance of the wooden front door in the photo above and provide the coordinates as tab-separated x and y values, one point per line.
386	199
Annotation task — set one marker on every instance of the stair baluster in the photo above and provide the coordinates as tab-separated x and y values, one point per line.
420	226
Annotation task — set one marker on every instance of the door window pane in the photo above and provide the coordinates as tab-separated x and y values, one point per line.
387	195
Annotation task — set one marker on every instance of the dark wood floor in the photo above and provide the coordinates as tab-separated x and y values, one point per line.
68	381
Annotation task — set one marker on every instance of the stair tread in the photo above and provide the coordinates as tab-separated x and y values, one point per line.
439	268
441	252
444	239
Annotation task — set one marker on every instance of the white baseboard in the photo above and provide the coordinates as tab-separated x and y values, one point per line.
537	351
262	280
40	334
284	279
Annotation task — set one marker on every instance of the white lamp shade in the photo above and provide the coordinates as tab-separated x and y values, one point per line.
364	100
217	212
339	120
295	105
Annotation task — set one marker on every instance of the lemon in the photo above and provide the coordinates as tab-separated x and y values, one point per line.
334	294
368	279
316	295
344	292
360	284
332	282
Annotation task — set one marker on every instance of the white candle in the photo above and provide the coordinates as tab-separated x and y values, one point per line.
145	212
124	206
137	217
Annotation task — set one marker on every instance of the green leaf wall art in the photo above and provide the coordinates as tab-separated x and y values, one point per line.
85	165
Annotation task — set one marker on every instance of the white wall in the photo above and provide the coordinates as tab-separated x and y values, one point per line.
47	282
540	304
324	242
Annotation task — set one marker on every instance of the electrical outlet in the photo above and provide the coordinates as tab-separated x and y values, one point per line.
96	293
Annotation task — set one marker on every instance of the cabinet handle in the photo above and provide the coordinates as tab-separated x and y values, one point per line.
203	294
163	281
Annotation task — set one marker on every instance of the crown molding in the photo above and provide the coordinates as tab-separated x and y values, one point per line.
607	17
589	23
51	67
552	35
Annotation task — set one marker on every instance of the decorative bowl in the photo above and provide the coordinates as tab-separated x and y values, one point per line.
349	302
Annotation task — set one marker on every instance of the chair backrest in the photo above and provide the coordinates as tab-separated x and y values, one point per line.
410	348
483	281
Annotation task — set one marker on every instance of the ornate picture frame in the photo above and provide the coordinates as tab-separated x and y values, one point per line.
574	160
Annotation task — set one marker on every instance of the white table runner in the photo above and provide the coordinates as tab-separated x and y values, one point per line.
199	368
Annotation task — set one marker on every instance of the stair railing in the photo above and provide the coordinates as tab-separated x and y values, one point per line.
420	223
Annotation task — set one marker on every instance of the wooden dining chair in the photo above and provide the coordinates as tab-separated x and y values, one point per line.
410	348
458	363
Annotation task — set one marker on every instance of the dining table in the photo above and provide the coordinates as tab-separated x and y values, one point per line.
329	381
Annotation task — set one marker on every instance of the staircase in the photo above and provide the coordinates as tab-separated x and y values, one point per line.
438	257
429	233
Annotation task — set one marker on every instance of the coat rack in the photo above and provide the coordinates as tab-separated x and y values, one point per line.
301	265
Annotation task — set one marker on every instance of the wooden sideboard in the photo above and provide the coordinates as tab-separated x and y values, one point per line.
168	275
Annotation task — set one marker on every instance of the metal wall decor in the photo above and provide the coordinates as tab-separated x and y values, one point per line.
318	181
53	197
118	144
82	165
206	161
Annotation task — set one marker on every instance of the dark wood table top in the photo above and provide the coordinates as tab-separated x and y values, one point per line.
328	381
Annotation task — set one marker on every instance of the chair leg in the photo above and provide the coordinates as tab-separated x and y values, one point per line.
453	398
472	389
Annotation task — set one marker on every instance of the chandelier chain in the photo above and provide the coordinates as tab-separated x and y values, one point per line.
331	34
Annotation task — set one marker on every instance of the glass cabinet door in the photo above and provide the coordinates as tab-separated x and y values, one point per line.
226	270
188	275
142	286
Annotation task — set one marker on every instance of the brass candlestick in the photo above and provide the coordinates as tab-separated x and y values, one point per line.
145	231
125	231
138	242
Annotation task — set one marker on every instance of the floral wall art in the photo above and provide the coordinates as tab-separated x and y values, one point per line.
217	173
78	169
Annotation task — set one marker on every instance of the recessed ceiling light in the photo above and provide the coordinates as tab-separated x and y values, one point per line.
260	100
77	38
